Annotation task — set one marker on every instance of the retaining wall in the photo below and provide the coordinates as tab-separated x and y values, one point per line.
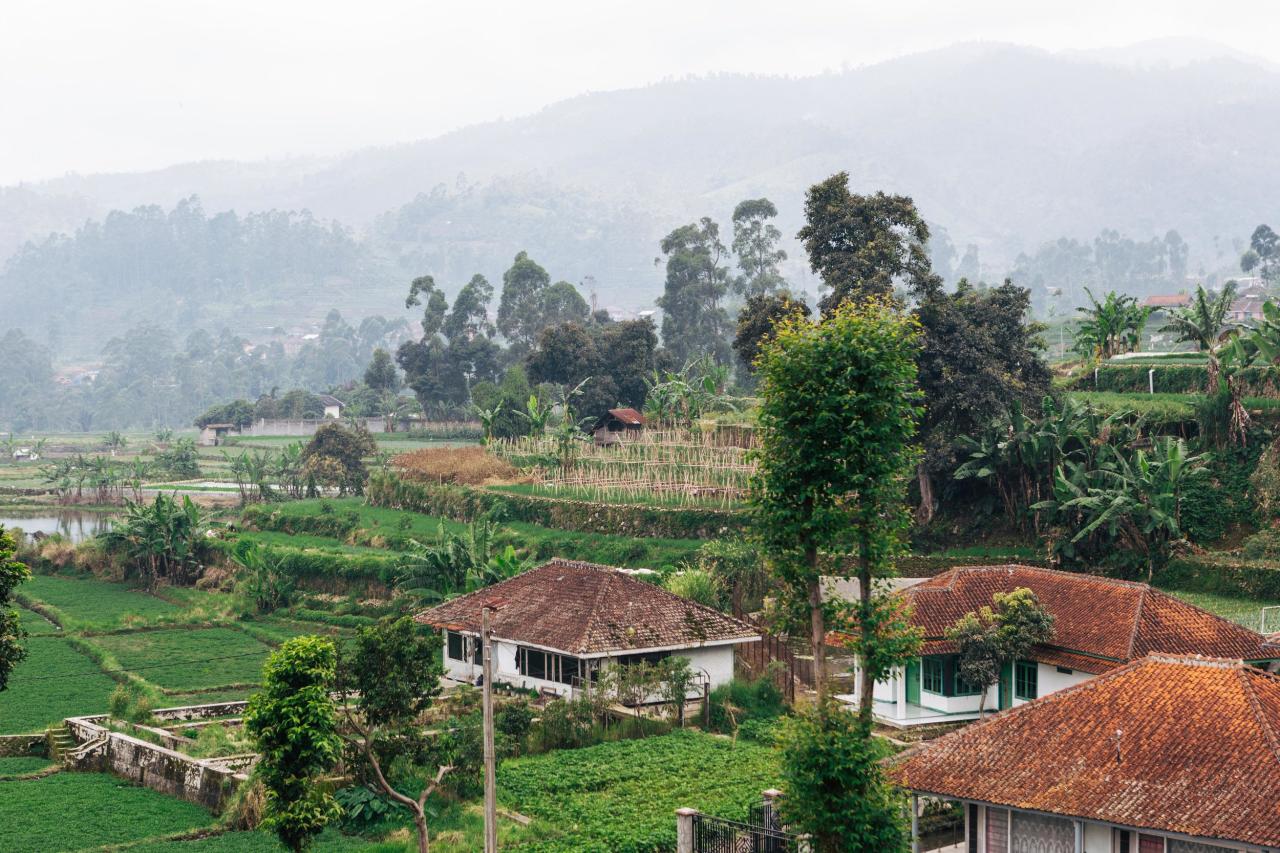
13	745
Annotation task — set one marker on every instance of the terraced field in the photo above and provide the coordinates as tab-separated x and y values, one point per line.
86	603
54	682
185	659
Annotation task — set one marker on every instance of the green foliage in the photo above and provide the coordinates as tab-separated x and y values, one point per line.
862	246
394	669
163	540
682	398
759	316
1231	495
335	457
738	569
12	633
381	374
294	724
179	461
835	786
694	324
744	700
237	412
755	242
265	581
1110	327
620	797
697	585
999	634
363	809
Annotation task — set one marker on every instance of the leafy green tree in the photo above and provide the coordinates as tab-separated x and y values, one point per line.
1110	327
390	676
265	579
293	721
500	403
1203	323
562	303
521	308
836	790
981	358
757	319
238	412
469	317
997	635
335	456
837	423
1263	254
381	374
755	242
433	314
12	573
162	540
693	322
864	245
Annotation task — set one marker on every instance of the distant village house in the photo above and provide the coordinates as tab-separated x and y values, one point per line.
215	435
615	425
332	406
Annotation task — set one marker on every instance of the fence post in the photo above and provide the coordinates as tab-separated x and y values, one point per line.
684	830
770	813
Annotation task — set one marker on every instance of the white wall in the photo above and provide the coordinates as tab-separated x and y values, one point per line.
1049	680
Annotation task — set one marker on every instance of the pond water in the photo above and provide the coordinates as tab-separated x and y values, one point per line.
76	525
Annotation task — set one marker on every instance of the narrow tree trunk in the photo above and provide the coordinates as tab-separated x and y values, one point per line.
866	678
817	624
420	825
924	513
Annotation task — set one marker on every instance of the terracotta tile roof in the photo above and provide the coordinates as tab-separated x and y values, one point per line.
1186	745
586	609
1177	300
1100	622
628	416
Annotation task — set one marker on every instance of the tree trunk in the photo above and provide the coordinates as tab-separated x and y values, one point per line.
982	700
924	513
817	624
420	826
866	679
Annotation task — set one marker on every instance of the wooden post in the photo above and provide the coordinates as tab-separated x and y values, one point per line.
490	771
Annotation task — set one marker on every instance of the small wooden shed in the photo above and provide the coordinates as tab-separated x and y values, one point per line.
615	425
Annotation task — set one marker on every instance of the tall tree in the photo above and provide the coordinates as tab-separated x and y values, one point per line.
381	374
390	677
755	242
757	320
424	287
1263	254
12	573
469	317
981	356
1203	323
562	303
693	322
864	245
293	721
837	423
520	310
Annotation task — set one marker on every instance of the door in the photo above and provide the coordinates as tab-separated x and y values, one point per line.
997	830
1006	686
1150	844
913	682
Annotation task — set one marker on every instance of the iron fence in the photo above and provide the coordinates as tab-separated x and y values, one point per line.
718	835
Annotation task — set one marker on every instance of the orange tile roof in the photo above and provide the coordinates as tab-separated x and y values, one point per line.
586	609
1100	622
1188	745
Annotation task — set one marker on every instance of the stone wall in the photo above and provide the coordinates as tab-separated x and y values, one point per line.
205	782
12	745
188	713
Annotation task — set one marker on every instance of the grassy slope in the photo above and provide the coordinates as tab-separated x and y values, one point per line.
72	811
91	603
1245	611
624	551
187	659
55	681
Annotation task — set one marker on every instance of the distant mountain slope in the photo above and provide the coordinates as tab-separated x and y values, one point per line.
1005	147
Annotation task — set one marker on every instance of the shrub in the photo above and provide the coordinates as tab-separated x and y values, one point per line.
743	700
697	585
465	465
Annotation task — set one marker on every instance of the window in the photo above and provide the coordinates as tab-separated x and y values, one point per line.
1025	679
964	687
1065	671
931	670
463	648
646	657
548	666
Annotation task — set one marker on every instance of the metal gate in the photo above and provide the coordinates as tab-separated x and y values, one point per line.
717	835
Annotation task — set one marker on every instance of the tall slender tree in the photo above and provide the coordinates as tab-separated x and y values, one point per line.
755	242
693	322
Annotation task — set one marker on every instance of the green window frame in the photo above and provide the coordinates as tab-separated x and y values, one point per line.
1025	679
964	688
931	680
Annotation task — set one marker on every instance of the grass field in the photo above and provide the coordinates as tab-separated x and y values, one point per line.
1244	611
261	842
53	682
35	624
621	797
75	811
18	765
90	603
185	659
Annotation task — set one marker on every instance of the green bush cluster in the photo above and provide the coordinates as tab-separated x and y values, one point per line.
1227	576
463	503
1212	506
330	569
743	701
1168	379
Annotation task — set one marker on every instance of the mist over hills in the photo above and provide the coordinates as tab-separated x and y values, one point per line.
1004	147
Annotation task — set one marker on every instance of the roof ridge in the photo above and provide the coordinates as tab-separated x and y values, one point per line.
589	628
1137	622
1087	576
1255	704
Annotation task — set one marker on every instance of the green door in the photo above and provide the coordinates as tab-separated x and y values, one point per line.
913	682
1006	686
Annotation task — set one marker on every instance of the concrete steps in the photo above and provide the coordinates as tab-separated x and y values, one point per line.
60	741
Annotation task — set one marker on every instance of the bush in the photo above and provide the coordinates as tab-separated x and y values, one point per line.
697	585
1265	481
1212	506
743	700
1227	576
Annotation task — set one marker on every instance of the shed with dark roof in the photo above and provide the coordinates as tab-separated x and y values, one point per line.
617	424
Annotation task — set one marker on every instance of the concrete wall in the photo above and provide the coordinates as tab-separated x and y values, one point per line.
1049	680
13	745
207	782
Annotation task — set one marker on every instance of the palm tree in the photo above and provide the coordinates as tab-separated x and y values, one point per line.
1111	326
1203	323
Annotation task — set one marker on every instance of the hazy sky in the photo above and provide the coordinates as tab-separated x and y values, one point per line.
116	85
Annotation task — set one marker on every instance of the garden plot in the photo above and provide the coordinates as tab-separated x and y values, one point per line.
74	811
186	660
54	682
91	603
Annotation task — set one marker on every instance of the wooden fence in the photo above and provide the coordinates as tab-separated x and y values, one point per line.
760	659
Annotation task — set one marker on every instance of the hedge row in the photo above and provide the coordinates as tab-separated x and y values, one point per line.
464	503
1169	379
1226	576
328	571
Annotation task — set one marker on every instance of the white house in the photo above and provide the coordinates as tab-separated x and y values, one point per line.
332	406
556	625
1099	624
1169	754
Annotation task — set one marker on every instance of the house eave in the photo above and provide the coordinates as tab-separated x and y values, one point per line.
611	653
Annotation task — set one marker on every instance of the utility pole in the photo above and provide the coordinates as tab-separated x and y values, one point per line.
490	771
